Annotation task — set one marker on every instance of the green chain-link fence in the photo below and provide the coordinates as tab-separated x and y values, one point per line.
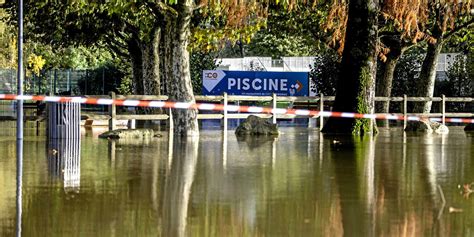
62	81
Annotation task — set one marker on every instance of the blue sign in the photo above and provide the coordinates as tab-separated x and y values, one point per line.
257	83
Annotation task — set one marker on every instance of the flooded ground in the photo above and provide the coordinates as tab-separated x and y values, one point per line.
299	184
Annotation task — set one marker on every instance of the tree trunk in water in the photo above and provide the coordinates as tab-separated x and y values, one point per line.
356	83
151	64
426	81
177	69
384	84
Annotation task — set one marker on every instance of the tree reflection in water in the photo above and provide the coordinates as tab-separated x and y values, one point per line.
300	184
178	185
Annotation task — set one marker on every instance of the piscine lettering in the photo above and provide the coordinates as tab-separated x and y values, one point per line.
266	84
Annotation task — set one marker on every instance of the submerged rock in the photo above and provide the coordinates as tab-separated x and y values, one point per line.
130	133
419	126
469	127
426	127
439	128
254	125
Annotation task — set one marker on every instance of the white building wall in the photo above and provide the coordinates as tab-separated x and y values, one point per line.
299	64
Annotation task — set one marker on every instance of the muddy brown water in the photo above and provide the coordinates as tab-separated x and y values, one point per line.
299	184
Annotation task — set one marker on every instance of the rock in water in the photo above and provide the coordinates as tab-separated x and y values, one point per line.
439	128
254	125
426	127
129	133
419	126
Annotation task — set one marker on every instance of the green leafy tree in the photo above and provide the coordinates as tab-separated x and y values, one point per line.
447	18
126	27
201	61
459	82
7	43
294	32
356	81
72	57
155	35
264	44
324	72
412	19
407	71
291	33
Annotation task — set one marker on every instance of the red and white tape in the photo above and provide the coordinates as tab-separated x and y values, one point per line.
221	107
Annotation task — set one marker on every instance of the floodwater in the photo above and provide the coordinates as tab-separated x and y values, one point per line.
299	184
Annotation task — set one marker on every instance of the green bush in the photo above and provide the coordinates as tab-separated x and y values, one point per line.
324	72
201	61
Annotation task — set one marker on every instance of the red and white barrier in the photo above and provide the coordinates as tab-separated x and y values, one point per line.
220	107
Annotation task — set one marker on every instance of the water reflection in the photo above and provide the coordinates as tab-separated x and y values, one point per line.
300	184
177	189
64	161
224	148
407	199
354	174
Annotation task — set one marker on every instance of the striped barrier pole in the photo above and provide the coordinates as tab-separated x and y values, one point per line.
221	107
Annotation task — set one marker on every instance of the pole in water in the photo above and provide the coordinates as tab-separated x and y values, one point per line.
19	122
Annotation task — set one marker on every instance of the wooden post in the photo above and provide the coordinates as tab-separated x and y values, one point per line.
321	109
131	124
224	127
405	110
112	112
443	109
274	106
170	120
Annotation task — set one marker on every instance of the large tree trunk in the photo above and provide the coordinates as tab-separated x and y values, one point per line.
137	66
426	81
177	69
356	83
384	83
145	60
151	64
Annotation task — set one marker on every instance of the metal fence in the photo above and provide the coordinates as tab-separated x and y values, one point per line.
285	64
64	120
58	82
65	161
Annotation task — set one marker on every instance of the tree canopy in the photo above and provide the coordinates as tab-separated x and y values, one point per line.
156	36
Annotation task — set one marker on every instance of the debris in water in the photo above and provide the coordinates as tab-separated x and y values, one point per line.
453	209
52	152
466	189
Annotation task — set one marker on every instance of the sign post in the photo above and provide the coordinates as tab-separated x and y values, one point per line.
19	122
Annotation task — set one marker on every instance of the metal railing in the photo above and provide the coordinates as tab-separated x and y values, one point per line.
319	103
